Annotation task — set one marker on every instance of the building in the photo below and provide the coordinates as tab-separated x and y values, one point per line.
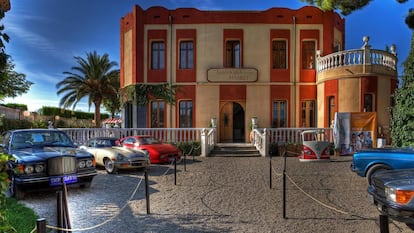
282	67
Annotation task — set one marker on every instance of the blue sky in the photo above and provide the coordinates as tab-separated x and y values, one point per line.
47	34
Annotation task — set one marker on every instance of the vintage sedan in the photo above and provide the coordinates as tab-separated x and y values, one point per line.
392	192
44	159
112	156
159	152
367	162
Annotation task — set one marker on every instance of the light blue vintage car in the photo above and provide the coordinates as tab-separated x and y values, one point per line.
367	162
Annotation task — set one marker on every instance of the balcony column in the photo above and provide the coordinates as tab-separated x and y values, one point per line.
367	55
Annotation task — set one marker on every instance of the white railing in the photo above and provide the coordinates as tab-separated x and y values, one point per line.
262	138
363	56
174	135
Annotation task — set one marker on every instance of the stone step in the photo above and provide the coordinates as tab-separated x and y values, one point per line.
235	150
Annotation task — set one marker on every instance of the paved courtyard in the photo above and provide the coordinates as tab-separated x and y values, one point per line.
223	194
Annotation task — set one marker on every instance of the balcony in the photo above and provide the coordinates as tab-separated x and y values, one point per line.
357	63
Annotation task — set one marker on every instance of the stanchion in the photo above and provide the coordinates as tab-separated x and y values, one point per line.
384	227
185	163
147	191
59	210
284	185
175	171
270	172
41	225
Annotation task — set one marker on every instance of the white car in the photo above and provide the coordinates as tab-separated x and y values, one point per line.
112	156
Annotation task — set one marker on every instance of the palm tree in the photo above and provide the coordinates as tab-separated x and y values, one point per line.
93	78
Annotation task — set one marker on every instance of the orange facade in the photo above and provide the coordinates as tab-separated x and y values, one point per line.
236	65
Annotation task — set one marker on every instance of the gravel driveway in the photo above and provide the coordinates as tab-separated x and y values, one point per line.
223	194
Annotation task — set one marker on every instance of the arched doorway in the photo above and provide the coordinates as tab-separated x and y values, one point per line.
232	123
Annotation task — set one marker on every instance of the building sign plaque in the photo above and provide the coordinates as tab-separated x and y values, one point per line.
232	75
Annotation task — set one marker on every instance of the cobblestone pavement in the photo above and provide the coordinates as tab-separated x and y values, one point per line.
222	194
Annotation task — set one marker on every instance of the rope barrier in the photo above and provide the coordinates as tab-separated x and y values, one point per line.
101	224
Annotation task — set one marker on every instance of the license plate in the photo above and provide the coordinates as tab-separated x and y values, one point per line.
68	179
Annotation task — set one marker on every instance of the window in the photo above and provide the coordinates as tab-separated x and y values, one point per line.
279	54
157	55
233	54
308	54
279	114
186	114
157	114
308	114
368	102
186	55
331	109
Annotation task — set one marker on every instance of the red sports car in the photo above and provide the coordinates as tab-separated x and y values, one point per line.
159	152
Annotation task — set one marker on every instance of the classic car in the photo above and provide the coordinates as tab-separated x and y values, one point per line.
392	193
108	153
368	162
315	146
159	152
44	158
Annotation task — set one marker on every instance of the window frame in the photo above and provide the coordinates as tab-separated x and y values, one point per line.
282	113
308	54
158	55
308	114
185	117
157	114
370	108
188	62
279	52
233	53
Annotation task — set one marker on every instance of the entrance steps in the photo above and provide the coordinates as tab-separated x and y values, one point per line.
234	150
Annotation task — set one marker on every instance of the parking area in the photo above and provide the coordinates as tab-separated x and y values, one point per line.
222	194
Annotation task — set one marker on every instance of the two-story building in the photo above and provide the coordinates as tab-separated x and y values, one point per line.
285	67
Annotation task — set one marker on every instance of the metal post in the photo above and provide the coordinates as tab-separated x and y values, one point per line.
41	225
59	210
185	163
270	172
175	171
384	227
284	186
147	191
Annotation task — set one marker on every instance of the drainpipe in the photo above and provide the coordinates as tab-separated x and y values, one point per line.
170	18
294	71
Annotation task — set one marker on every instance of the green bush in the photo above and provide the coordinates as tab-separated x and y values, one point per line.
185	147
5	226
8	124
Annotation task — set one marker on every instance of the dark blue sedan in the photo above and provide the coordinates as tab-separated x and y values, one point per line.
44	158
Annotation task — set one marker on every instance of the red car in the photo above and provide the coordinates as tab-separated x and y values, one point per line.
159	152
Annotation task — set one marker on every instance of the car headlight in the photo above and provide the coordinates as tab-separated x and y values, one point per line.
82	164
398	196
39	168
28	169
89	163
120	157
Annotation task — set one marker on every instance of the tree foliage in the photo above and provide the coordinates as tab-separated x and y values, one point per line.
346	7
93	78
402	118
142	93
12	83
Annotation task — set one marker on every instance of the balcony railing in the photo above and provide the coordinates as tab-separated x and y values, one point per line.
364	56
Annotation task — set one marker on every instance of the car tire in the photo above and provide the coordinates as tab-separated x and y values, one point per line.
15	191
375	168
110	166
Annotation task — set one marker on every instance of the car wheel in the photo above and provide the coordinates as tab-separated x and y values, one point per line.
110	166
15	191
376	168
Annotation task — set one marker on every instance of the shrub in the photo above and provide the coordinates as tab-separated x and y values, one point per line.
4	222
185	147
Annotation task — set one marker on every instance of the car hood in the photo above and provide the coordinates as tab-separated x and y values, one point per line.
126	152
393	175
44	153
162	148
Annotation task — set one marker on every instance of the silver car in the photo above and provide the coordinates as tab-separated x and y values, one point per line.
109	154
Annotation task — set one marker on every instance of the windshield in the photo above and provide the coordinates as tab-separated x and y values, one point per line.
27	139
148	141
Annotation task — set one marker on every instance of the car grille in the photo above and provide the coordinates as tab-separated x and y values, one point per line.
379	187
61	165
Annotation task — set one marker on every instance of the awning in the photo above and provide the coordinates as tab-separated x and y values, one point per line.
112	121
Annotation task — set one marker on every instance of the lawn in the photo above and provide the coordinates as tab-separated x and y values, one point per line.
23	219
